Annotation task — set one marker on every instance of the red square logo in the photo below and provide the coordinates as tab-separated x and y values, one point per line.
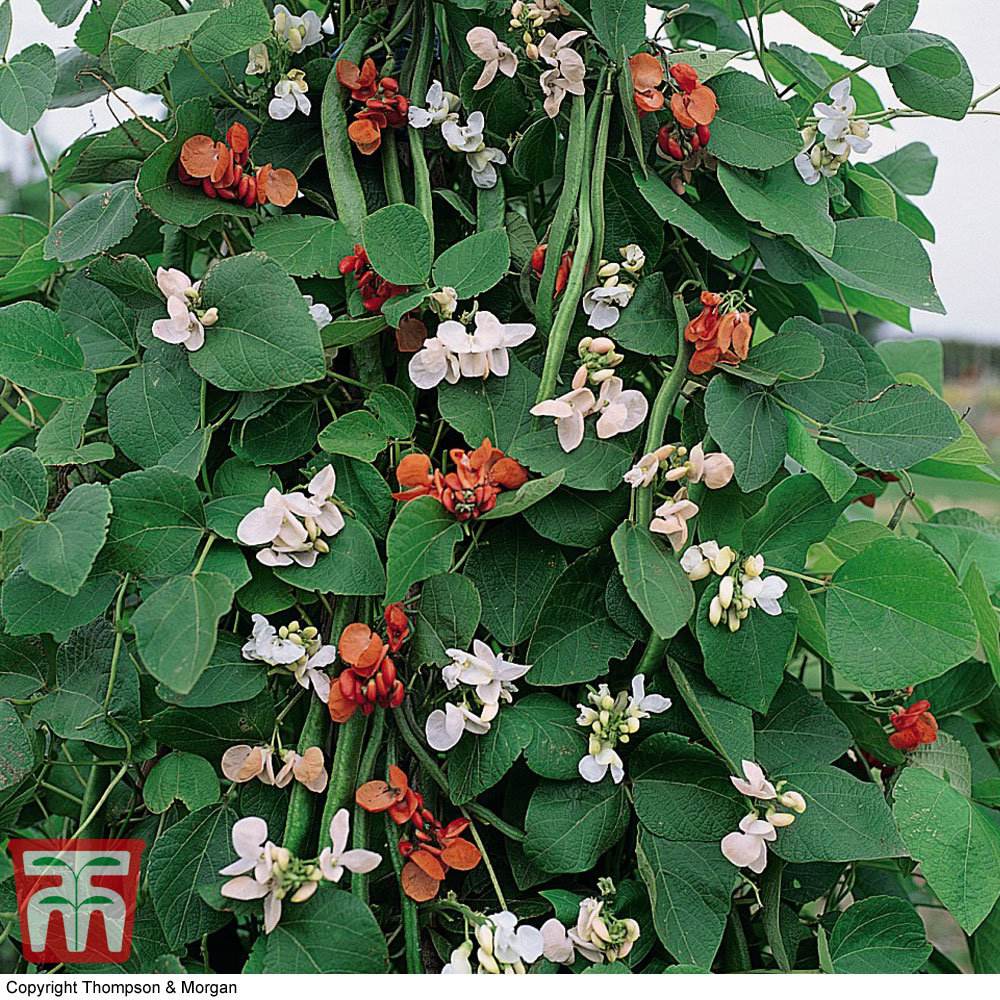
76	898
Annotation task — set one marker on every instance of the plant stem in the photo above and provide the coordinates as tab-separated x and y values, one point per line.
359	880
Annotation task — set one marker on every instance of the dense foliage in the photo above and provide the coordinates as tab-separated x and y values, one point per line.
439	496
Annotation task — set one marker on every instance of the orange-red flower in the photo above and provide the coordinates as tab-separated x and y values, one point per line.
360	80
647	75
397	626
370	678
393	796
914	726
717	338
375	290
562	274
869	498
384	105
472	489
694	104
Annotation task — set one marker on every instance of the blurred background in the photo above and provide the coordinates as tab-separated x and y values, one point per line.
963	204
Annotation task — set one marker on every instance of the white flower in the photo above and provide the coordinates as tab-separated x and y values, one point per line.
440	108
258	60
602	304
672	519
569	411
764	592
459	965
432	363
444	301
266	645
335	860
804	165
749	848
484	174
265	860
567	73
445	728
484	670
756	785
319	312
642	705
633	257
183	326
700	560
496	54
592	936
644	471
466	138
556	944
296	32
593	767
289	94
484	351
512	943
621	410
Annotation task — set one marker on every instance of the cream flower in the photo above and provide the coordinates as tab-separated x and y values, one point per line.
466	138
749	848
755	786
483	351
569	411
258	60
644	471
621	410
335	860
633	258
484	174
183	326
289	94
495	54
300	650
444	301
672	520
567	73
296	32
603	304
441	106
701	560
592	935
433	363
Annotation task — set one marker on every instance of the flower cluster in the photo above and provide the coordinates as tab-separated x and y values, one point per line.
472	489
612	721
222	170
291	526
370	675
747	848
598	935
720	333
277	874
244	763
384	105
298	650
604	302
187	319
618	410
296	33
490	680
435	848
453	352
529	19
503	947
469	139
914	726
742	587
841	133
374	290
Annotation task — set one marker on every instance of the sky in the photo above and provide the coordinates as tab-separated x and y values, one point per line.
963	205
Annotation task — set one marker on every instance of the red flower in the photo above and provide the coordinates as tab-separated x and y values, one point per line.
397	626
869	498
717	338
647	75
395	796
384	106
375	290
370	678
562	274
914	726
695	104
359	80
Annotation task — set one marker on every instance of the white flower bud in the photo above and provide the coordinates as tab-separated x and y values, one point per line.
611	282
723	560
602	376
793	800
530	50
607	703
715	611
779	819
484	935
733	620
753	565
726	589
608	270
320	546
210	317
602	345
633	725
487	962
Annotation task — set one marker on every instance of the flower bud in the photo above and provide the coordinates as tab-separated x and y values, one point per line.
303	892
816	157
594	746
320	546
607	703
779	819
282	857
723	560
487	962
310	632
726	589
700	571
531	51
753	565
733	620
296	638
295	39
484	935
516	7
715	611
793	800
611	282
605	716
210	317
602	345
633	725
609	269
672	475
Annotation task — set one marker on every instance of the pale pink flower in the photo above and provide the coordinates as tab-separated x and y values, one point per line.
335	860
183	327
672	520
714	469
567	73
569	411
644	471
495	54
749	848
756	785
621	410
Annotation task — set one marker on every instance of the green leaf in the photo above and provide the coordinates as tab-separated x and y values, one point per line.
151	412
37	353
595	465
17	232
682	790
749	426
780	202
535	153
132	66
579	518
281	433
619	23
265	337
799	727
61	550
845	819
102	220
514	502
228	678
794	354
157	522
180	777
17	755
356	433
653	578
947	759
58	442
898	428
569	825
747	665
956	842
103	325
165	33
880	934
209	732
513	570
332	933
479	762
393	409
420	543
883	258
985	615
115	155
925	82
175	627
24	490
721	232
446	618
963	537
237	25
557	742
475	264
575	640
30	607
398	244
75	709
910	168
881	633
494	408
304	245
352	566
836	476
185	856
690	886
752	128
649	326
985	944
27	81
821	17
